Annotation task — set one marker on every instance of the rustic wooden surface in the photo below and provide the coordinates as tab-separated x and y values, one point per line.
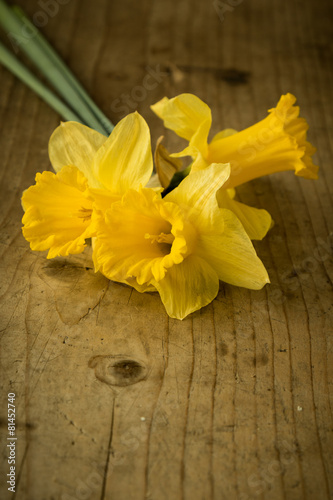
114	400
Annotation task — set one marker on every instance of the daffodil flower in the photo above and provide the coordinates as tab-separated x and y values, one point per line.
92	171
180	245
274	144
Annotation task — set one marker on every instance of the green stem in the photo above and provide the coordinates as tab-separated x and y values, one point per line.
19	70
57	61
16	31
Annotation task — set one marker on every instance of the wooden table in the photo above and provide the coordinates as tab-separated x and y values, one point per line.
114	400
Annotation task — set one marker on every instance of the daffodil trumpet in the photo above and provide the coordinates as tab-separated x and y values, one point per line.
276	143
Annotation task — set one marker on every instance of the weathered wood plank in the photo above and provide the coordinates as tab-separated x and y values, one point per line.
114	399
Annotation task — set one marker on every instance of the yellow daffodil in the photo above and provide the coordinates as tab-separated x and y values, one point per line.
92	171
58	212
274	144
180	245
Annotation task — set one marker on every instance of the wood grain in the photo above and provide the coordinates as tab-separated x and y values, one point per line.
114	399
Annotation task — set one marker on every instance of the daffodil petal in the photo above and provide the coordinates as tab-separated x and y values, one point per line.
139	288
187	287
199	163
198	191
58	212
255	221
198	143
125	160
75	144
227	132
198	147
103	199
183	114
232	255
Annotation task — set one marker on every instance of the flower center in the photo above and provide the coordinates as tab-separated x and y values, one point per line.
84	214
160	238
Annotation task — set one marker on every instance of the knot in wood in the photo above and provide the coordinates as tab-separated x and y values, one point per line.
118	370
